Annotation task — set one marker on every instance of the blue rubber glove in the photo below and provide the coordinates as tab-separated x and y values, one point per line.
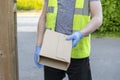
36	55
76	36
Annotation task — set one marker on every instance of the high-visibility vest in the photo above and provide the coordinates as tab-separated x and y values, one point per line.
80	20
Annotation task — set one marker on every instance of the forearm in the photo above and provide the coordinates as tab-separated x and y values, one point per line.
96	21
40	31
41	28
94	24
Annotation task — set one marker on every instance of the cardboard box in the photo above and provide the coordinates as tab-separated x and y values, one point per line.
55	51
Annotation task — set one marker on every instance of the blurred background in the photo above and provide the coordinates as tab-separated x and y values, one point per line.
105	53
29	4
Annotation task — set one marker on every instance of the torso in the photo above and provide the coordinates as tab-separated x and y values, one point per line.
65	16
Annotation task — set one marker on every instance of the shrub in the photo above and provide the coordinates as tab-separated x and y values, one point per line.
111	16
29	4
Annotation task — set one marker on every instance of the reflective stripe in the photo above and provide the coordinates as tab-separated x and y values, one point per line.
81	11
84	10
50	9
86	7
78	11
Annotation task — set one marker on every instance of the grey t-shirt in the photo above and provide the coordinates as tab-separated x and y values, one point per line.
65	16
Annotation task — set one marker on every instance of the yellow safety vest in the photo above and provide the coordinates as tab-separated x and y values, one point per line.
80	20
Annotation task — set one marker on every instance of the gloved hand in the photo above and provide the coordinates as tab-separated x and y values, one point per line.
76	36
36	55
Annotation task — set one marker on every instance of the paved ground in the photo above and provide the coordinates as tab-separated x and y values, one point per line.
105	53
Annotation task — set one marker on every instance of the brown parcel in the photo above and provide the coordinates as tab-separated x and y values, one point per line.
55	51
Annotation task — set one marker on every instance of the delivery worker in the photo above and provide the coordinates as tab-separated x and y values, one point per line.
77	19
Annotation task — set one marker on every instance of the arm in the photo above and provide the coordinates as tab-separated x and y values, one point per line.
96	21
41	26
40	33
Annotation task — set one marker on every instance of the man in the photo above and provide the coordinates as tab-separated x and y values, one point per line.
70	17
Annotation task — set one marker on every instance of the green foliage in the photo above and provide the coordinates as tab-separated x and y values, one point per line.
29	4
111	16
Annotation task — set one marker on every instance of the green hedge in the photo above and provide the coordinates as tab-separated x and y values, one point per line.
111	16
29	4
